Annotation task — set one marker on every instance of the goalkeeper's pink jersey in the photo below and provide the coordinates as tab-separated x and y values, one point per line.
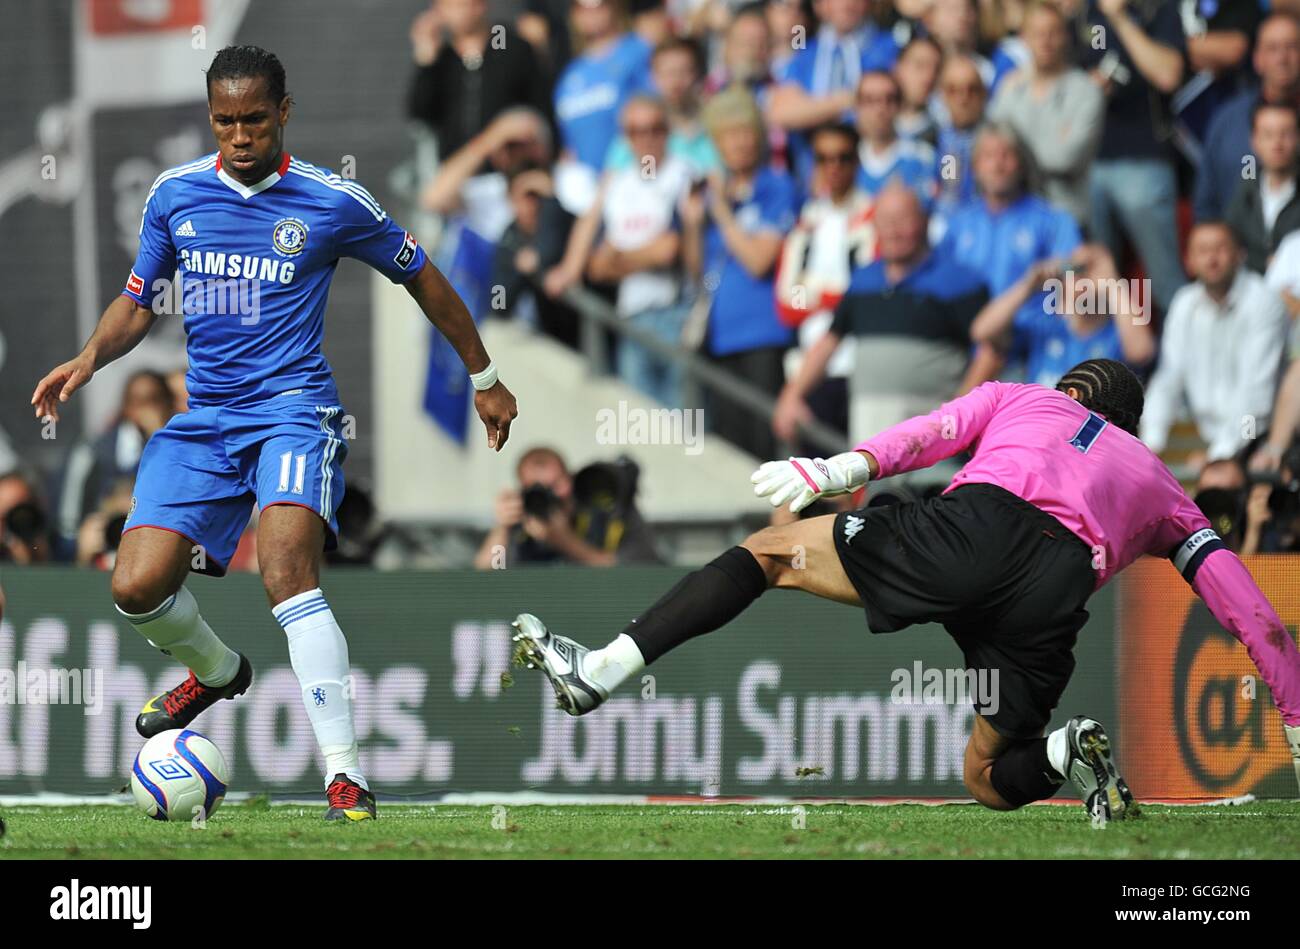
1109	489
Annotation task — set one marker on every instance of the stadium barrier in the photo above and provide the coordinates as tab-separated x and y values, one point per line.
797	699
700	374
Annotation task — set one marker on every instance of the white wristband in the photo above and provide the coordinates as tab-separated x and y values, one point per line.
485	379
859	472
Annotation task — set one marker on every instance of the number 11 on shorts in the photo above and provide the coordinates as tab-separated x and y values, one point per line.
299	465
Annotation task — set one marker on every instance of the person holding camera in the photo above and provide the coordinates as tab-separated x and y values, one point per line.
24	527
556	517
1253	501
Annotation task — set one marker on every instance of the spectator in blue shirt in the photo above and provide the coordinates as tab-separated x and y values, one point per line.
732	233
1006	229
612	65
1227	140
821	83
917	72
954	26
676	69
964	97
1088	312
786	19
882	155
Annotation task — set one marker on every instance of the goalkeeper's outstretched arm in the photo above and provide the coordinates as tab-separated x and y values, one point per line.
917	443
926	440
1237	602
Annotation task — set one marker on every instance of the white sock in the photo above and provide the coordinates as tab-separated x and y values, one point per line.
1057	751
176	629
319	655
618	661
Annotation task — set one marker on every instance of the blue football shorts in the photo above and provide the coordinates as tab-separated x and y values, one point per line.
201	473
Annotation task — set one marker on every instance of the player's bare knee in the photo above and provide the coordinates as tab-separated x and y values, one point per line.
286	578
140	589
763	544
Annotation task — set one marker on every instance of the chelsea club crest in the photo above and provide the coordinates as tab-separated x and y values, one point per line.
289	236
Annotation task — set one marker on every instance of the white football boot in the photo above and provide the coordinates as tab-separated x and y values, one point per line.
1092	771
561	659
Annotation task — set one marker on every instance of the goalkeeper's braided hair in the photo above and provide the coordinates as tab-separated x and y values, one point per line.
1108	388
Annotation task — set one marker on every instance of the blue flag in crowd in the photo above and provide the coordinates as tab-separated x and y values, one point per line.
466	259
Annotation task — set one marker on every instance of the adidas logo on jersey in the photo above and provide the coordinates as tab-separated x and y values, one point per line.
187	230
852	524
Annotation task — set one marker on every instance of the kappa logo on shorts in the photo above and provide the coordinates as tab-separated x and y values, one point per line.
852	524
407	253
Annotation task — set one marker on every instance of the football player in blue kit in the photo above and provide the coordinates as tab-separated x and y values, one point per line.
253	237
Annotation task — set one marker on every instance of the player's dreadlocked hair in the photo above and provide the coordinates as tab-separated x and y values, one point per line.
1108	388
248	62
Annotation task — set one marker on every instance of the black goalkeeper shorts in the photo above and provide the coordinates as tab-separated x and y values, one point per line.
1006	580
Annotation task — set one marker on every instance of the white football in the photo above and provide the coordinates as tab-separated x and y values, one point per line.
179	775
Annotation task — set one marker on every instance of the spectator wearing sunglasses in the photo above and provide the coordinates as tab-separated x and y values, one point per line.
883	156
835	234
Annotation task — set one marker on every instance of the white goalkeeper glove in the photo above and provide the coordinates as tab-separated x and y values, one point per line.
803	480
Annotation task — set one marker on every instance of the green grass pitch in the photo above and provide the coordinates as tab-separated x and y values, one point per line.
1261	830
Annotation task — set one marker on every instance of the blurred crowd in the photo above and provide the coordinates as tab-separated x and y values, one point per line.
866	207
863	208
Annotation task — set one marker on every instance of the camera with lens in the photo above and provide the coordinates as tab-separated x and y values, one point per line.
1284	501
27	522
540	501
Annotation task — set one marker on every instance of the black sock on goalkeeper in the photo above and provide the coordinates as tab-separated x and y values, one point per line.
701	601
1024	774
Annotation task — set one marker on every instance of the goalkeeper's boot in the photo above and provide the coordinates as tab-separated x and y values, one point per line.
180	706
1092	771
561	659
349	800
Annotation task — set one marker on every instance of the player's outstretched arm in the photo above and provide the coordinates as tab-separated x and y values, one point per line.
123	324
447	312
1237	602
928	439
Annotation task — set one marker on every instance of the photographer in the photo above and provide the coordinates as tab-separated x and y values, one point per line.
24	527
554	517
1255	509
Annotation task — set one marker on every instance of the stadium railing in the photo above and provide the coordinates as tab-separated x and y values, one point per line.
599	316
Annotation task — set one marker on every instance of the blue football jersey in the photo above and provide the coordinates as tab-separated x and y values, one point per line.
253	265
